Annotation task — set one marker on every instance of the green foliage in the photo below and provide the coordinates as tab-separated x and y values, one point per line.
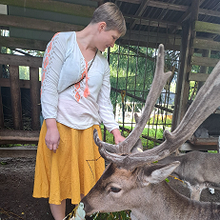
153	133
164	121
130	71
24	72
109	136
123	215
213	151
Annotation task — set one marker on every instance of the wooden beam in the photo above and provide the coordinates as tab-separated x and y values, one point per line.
159	4
18	136
12	43
35	98
198	77
15	97
206	44
182	88
1	111
37	24
169	6
147	38
207	27
204	61
190	147
175	7
152	22
24	84
15	152
140	11
132	1
54	6
17	60
204	141
209	12
203	69
168	46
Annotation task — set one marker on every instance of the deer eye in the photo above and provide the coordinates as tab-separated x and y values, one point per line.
115	189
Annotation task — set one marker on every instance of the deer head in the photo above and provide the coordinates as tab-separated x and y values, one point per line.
129	176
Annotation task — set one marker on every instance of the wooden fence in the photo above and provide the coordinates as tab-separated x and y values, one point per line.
17	134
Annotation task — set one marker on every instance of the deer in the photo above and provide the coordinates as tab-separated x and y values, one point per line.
197	170
132	181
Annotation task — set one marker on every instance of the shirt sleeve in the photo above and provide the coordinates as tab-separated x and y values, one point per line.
104	102
52	64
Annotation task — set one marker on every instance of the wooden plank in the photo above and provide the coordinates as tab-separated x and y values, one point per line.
204	61
37	24
15	152
206	44
1	111
54	6
18	133
29	44
207	27
158	4
209	12
182	95
18	140
190	147
18	136
145	43
17	60
182	87
152	22
198	77
15	97
35	98
146	39
24	84
204	141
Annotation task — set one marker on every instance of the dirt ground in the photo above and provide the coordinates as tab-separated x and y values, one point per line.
16	184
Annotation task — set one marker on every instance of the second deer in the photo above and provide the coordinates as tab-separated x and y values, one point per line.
198	170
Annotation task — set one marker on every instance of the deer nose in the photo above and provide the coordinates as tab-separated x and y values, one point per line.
87	207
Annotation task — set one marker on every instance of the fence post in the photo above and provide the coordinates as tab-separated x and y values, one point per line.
35	98
15	97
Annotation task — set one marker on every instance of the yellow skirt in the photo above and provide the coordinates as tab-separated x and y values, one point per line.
72	170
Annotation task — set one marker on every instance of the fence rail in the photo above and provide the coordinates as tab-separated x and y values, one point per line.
14	104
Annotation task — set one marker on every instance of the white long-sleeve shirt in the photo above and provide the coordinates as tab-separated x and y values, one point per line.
64	65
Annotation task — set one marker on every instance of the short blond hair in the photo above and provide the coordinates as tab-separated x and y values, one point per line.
111	15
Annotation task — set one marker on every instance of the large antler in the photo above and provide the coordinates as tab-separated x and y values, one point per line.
160	79
205	103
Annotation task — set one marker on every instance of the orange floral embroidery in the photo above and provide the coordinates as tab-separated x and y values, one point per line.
77	85
46	61
83	74
77	96
49	47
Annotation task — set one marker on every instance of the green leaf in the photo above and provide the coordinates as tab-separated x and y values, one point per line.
167	180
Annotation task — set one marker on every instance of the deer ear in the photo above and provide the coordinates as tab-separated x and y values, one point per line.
160	173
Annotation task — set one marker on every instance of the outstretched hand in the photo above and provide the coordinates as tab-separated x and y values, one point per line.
117	135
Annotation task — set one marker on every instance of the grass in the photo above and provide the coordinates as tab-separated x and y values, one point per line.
148	144
123	215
